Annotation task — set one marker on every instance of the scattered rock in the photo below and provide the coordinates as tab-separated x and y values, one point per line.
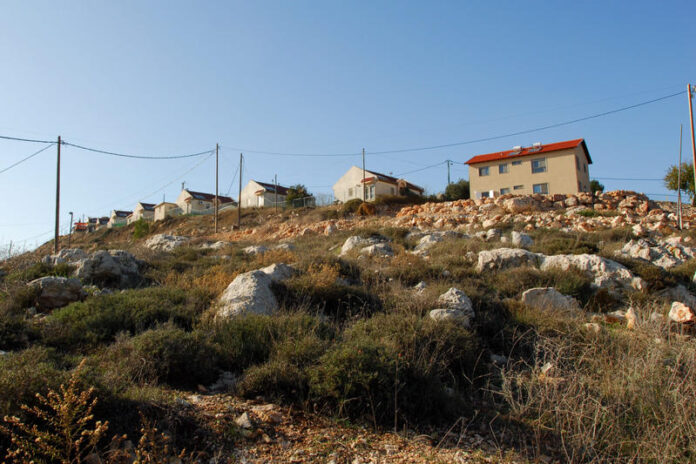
448	314
592	327
284	247
420	286
548	298
520	204
66	255
521	239
665	254
378	249
56	292
279	271
493	234
255	250
360	242
505	258
251	292
457	299
681	313
165	242
605	272
113	268
243	421
215	246
631	318
680	294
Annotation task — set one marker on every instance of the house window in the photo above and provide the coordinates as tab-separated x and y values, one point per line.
485	194
538	165
371	192
502	168
503	191
484	171
516	163
518	187
350	192
540	188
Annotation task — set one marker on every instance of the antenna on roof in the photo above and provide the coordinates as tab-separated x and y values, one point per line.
182	185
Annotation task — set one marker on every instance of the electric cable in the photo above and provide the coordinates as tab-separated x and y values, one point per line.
27	158
123	155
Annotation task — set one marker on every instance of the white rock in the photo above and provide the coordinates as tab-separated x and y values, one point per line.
679	312
605	272
592	327
457	299
68	255
279	271
521	239
378	249
519	204
504	258
248	293
548	298
56	292
243	421
447	314
420	286
360	242
284	246
255	250
113	268
493	234
165	242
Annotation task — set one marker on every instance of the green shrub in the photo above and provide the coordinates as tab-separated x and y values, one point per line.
335	299
100	318
275	381
38	270
15	332
351	206
556	243
140	228
173	356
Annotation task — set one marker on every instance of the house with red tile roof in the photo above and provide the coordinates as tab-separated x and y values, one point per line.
561	167
261	194
352	185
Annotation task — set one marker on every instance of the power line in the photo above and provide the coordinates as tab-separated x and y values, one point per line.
529	131
421	169
276	153
27	158
123	155
20	139
236	171
624	178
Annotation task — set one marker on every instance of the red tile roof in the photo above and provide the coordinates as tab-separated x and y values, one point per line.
392	180
271	188
530	151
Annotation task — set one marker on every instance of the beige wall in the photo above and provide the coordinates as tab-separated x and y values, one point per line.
562	174
349	186
189	205
251	200
165	210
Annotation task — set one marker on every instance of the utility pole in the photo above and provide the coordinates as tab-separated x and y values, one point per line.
57	233
691	118
275	189
239	198
217	149
449	163
363	180
70	230
679	201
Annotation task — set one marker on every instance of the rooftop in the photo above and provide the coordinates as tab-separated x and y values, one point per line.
530	151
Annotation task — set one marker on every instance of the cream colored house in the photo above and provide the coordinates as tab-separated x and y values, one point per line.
261	194
553	168
118	218
166	209
350	186
192	202
144	211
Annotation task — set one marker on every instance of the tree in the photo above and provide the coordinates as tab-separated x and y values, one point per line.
457	190
596	186
296	192
687	180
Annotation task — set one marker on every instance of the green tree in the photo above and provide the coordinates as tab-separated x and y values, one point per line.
596	186
687	180
296	192
457	190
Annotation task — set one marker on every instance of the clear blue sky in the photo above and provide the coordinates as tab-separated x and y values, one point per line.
176	77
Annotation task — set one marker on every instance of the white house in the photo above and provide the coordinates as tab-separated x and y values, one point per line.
192	202
166	209
350	186
118	218
260	194
145	211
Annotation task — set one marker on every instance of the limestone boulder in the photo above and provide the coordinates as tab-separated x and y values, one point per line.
505	258
358	242
279	272
605	272
113	268
521	239
681	313
66	255
549	299
56	292
453	315
251	293
457	299
165	242
383	250
518	205
255	250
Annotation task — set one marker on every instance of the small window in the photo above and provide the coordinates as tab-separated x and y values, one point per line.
502	168
516	163
538	165
540	188
518	187
484	171
503	191
371	192
485	194
350	192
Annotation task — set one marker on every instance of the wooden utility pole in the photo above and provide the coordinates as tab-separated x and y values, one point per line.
679	168
363	180
275	189
70	230
217	200
691	118
449	163
57	233
239	198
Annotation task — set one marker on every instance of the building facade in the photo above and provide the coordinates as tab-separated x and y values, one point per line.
144	211
166	209
350	186
260	194
118	218
561	167
191	202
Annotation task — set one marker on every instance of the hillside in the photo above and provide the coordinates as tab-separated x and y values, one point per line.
516	329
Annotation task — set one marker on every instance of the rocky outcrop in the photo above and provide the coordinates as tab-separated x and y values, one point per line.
250	293
549	299
164	242
665	253
457	299
521	239
66	255
56	292
113	268
383	250
453	315
255	250
357	242
605	272
681	313
505	258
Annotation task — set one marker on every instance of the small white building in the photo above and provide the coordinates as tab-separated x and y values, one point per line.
350	186
191	202
166	209
118	218
144	211
260	194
